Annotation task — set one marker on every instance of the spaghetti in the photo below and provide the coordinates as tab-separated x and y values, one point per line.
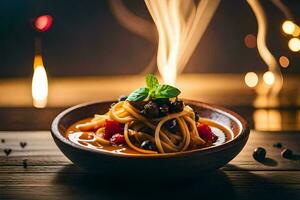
165	141
151	120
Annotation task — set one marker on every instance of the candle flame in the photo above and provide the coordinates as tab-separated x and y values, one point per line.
39	87
180	25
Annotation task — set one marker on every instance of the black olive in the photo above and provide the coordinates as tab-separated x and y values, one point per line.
259	154
163	110
151	110
277	145
196	116
148	145
138	104
172	126
287	153
122	98
176	106
162	101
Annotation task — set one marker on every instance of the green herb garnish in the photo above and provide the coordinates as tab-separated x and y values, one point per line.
153	90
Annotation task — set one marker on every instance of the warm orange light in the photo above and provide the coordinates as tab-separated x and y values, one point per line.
250	41
251	79
288	27
296	33
294	44
43	23
264	52
267	120
284	61
269	78
39	87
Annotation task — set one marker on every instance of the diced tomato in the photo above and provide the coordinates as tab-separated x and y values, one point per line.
206	133
117	139
112	127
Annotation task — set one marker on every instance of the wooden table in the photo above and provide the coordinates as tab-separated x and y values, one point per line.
50	175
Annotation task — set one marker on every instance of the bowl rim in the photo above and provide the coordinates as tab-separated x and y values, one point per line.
243	132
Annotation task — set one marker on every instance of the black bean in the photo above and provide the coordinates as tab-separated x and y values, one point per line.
122	98
162	101
151	110
286	153
163	110
23	144
172	126
2	140
148	145
138	104
277	145
7	151
259	154
176	106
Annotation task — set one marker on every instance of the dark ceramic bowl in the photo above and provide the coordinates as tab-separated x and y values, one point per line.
169	166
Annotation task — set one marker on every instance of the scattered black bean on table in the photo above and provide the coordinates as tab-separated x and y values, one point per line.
259	154
277	145
286	153
23	144
7	151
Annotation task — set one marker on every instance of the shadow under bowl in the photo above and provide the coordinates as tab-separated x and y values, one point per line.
170	166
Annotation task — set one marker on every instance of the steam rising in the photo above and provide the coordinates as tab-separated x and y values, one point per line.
180	25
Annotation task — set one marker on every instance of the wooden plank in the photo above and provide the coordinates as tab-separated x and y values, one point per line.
41	151
50	175
14	119
226	185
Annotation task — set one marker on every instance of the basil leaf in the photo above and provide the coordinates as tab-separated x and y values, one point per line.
139	94
166	91
152	82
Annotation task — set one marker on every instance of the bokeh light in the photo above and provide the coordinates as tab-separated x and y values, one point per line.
250	41
284	61
43	23
296	33
288	27
294	44
269	78
251	79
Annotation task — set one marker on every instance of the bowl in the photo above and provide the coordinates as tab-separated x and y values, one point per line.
169	166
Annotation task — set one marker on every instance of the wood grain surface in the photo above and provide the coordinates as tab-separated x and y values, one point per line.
50	175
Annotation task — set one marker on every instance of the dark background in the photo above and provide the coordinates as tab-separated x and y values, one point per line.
86	39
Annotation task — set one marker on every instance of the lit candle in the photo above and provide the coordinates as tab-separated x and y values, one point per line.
39	87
